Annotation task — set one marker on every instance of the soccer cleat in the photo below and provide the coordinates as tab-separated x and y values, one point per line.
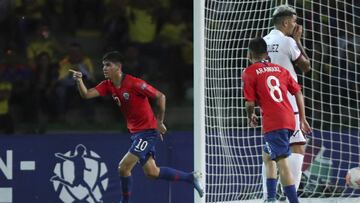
197	185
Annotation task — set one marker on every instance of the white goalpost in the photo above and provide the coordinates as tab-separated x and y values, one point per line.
226	150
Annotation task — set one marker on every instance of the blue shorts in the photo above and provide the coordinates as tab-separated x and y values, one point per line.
143	144
277	143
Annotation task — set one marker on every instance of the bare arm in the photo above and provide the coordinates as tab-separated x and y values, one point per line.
161	106
304	61
250	111
83	90
304	125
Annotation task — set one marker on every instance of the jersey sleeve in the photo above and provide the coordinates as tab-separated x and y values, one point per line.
102	88
293	86
145	89
294	50
248	84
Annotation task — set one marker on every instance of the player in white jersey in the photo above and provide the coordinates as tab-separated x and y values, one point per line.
285	49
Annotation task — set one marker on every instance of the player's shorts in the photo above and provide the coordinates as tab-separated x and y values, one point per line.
143	144
298	137
277	143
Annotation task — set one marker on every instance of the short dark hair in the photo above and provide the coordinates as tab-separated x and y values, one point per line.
281	12
257	46
113	56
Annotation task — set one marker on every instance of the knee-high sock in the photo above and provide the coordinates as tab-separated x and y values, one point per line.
291	194
171	174
295	164
271	184
126	185
264	178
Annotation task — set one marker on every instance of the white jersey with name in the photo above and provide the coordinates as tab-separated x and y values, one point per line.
283	51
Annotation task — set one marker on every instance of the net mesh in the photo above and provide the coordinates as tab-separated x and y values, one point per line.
331	89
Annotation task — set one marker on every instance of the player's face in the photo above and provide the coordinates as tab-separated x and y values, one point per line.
109	69
291	24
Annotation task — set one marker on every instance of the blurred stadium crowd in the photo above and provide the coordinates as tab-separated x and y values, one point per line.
40	40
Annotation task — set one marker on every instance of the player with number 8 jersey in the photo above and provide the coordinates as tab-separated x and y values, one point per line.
285	49
268	84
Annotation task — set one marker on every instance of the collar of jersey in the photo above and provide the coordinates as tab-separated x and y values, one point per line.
275	31
262	61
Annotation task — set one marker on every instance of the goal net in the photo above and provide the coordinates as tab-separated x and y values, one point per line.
231	156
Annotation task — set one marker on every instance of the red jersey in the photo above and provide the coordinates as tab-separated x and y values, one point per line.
268	84
132	97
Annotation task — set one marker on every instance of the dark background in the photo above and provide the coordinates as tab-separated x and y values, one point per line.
40	40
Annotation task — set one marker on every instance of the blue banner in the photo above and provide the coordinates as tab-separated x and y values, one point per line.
83	168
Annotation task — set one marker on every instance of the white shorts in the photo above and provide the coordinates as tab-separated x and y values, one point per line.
298	137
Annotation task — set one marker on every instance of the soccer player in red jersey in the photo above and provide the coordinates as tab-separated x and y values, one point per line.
285	49
132	96
267	85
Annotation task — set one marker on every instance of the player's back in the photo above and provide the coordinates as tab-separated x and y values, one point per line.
282	50
269	83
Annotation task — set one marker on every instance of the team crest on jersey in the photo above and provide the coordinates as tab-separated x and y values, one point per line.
143	86
126	95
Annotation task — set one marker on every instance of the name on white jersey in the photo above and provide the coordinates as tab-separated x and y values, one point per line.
267	69
273	47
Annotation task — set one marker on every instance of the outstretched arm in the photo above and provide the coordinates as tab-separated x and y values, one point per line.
161	105
83	90
62	156
304	125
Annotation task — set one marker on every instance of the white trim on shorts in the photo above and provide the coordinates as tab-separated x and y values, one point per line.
298	137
